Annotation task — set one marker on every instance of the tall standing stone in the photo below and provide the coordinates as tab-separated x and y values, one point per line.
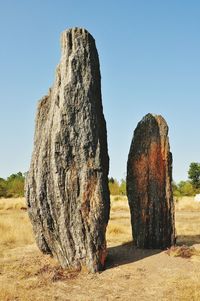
67	184
149	184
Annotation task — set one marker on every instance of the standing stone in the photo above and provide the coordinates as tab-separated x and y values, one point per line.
67	184
149	184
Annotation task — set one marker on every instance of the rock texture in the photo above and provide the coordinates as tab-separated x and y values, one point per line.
149	189
67	185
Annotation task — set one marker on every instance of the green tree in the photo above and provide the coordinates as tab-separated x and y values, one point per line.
114	186
175	190
194	174
186	188
117	188
15	185
111	180
122	187
3	190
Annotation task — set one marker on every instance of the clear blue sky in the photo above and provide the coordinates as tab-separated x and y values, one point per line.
150	62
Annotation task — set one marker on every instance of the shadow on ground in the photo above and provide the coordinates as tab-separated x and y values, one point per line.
188	240
127	253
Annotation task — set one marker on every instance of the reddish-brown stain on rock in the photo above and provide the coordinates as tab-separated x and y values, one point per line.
149	177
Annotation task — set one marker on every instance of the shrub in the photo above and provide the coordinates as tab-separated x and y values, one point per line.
13	186
117	188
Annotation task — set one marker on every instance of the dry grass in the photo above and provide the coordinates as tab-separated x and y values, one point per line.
15	230
32	270
183	251
27	275
184	288
187	204
187	221
36	275
15	227
119	227
12	203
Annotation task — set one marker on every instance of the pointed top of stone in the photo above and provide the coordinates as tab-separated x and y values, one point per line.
75	37
152	116
154	119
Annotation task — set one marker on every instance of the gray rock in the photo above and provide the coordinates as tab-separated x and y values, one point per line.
149	184
67	184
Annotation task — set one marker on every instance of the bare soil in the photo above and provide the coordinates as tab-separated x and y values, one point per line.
130	274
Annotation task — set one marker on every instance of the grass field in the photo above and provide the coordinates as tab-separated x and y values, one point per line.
28	275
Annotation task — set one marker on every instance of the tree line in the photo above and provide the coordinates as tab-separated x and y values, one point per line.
13	186
192	185
117	188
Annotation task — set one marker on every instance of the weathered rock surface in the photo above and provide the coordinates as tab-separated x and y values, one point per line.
149	189
67	185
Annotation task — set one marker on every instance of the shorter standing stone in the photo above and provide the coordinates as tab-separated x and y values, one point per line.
149	184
